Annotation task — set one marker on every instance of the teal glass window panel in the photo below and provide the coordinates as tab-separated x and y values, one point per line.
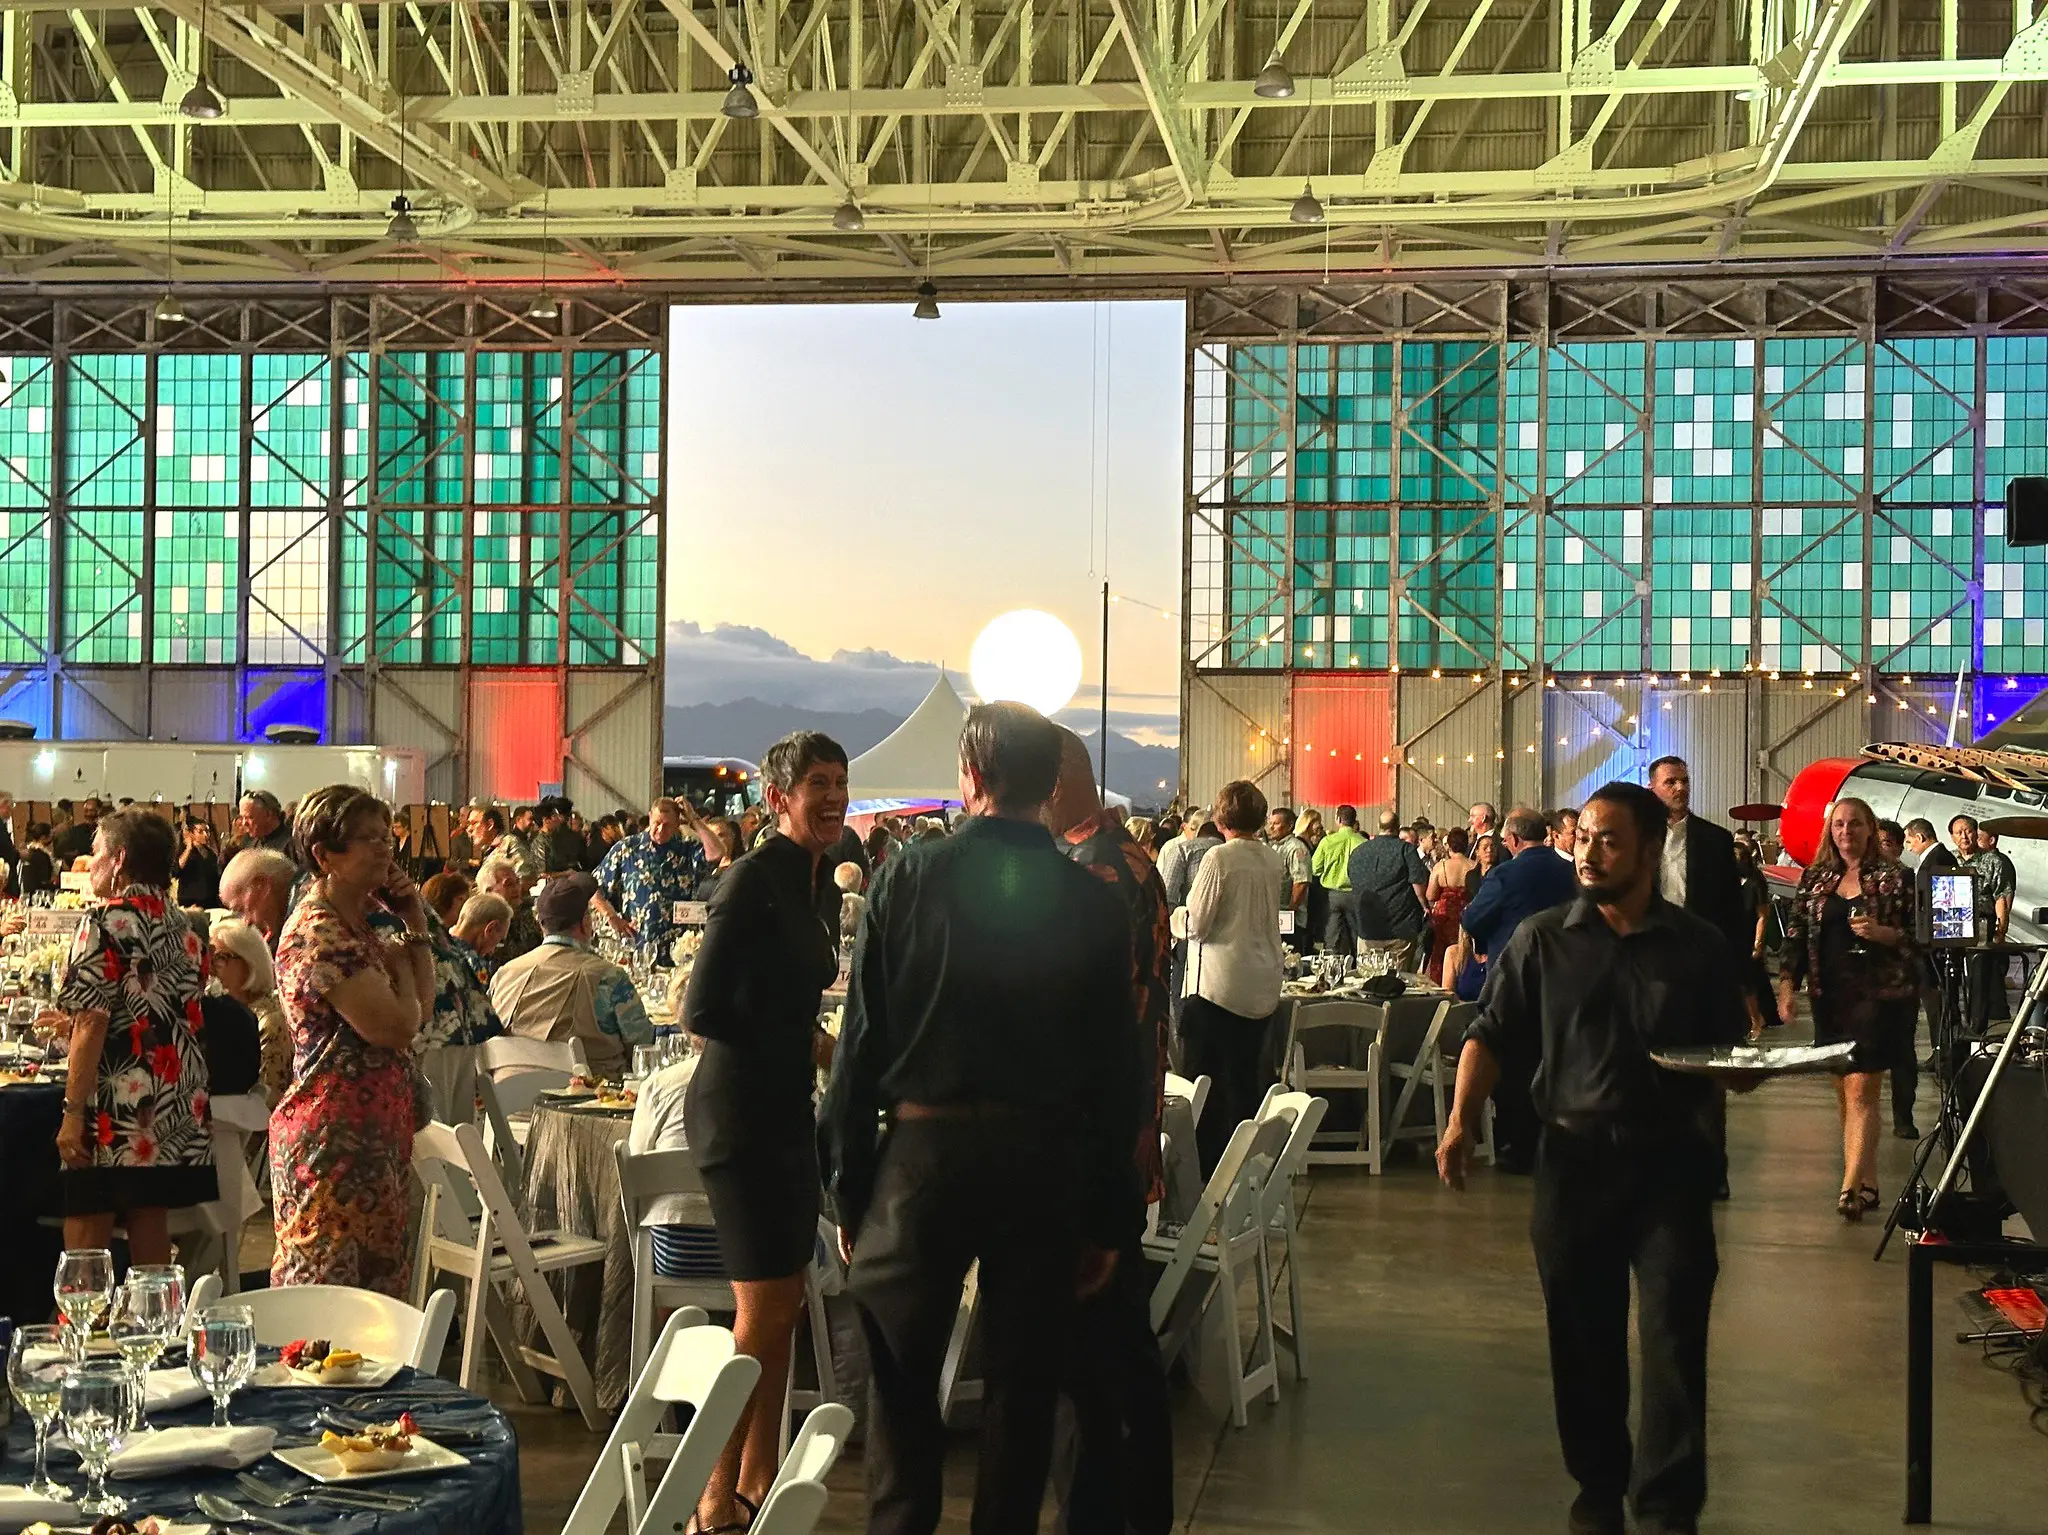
102	584
1812	619
198	431
1593	452
1591	619
516	454
1450	446
1705	419
1702	577
615	443
1814	445
540	602
498	577
1521	451
1344	423
2015	410
1923	446
1519	589
291	448
196	581
597	577
1450	571
24	585
26	431
1259	450
421	426
352	622
1920	563
1357	554
2015	604
1255	556
288	593
105	396
357	438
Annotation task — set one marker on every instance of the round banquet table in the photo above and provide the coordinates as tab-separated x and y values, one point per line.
29	1116
481	1498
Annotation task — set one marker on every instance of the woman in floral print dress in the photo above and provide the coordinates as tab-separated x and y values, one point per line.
341	1137
135	1140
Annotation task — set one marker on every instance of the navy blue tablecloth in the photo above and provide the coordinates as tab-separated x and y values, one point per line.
29	1117
480	1499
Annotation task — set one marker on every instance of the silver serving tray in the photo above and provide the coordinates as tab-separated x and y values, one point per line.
1779	1060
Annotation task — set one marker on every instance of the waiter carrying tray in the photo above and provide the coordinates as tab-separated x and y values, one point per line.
1627	1162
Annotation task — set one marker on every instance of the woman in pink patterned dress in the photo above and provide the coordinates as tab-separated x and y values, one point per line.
341	1137
134	1140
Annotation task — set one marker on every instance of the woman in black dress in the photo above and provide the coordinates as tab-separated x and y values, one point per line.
1850	939
771	947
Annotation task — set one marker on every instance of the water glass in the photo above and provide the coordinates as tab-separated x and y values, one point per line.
142	1309
94	1401
172	1277
646	1061
223	1354
84	1288
35	1374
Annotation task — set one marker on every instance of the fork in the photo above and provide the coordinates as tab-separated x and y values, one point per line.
272	1496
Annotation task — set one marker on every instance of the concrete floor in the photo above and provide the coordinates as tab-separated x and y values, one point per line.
1429	1408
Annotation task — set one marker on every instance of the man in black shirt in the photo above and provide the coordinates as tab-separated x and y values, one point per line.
75	840
983	1105
1628	1161
1388	878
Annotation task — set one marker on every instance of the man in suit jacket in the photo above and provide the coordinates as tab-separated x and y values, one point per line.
1699	870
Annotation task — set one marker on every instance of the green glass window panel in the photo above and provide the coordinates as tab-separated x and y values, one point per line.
2015	607
1450	446
498	578
1813	567
1344	423
198	430
356	436
2015	410
1519	590
597	549
539	604
615	446
1521	453
1593	452
1590	620
24	585
102	584
1813	440
196	583
1447	554
291	458
1924	445
1702	578
1340	586
1255	557
1258	385
105	395
288	595
1705	415
416	558
1920	566
420	429
25	431
517	449
352	622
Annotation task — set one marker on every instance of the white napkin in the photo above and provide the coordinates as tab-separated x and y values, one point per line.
173	1388
175	1449
18	1510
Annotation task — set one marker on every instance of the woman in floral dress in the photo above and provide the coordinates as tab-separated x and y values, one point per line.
135	1140
341	1137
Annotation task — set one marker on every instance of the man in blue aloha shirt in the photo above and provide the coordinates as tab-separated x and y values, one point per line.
640	880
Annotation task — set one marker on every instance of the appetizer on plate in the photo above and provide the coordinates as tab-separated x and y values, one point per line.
380	1447
318	1359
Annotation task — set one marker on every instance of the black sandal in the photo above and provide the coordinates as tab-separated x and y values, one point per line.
1847	1205
1867	1197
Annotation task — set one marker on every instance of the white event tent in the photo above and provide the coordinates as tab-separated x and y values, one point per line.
919	761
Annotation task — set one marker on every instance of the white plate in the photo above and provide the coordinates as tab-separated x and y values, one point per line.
374	1373
570	1092
311	1460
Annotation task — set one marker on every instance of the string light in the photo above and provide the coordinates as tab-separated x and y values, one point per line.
1436	672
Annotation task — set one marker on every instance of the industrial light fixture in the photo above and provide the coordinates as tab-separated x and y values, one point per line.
544	307
402	227
1751	93
1306	209
927	302
1274	83
849	219
168	310
739	101
201	103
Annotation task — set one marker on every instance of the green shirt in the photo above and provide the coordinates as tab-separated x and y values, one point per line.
1333	858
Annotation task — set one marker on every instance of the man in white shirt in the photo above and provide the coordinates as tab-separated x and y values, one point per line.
1300	863
1482	820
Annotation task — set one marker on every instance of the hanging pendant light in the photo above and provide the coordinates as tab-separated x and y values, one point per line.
402	227
849	220
168	310
1274	83
1306	209
544	307
202	103
739	101
927	302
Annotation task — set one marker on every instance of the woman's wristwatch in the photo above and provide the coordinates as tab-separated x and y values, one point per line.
78	1107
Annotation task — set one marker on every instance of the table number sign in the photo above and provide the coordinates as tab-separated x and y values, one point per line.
48	923
1286	923
692	913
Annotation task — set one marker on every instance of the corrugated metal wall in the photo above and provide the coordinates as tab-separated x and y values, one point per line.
407	708
1343	738
612	716
1237	728
1451	750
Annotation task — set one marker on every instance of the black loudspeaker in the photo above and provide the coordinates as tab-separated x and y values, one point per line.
2026	512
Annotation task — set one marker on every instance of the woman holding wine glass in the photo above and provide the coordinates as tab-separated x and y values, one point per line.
1850	941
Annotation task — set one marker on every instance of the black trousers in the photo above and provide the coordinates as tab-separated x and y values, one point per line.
1113	1462
1340	933
1516	1128
1007	1190
1230	1050
1600	1212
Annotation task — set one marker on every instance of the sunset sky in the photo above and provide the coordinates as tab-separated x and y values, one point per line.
845	479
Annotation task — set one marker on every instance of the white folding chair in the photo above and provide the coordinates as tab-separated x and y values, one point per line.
796	1498
381	1326
511	1073
1226	1240
692	1363
217	1224
1348	1035
1282	1220
1443	1077
648	1175
1196	1092
513	1052
494	1252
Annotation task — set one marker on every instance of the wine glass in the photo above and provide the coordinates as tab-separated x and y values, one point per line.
35	1374
84	1285
94	1401
1857	908
172	1277
223	1354
139	1331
